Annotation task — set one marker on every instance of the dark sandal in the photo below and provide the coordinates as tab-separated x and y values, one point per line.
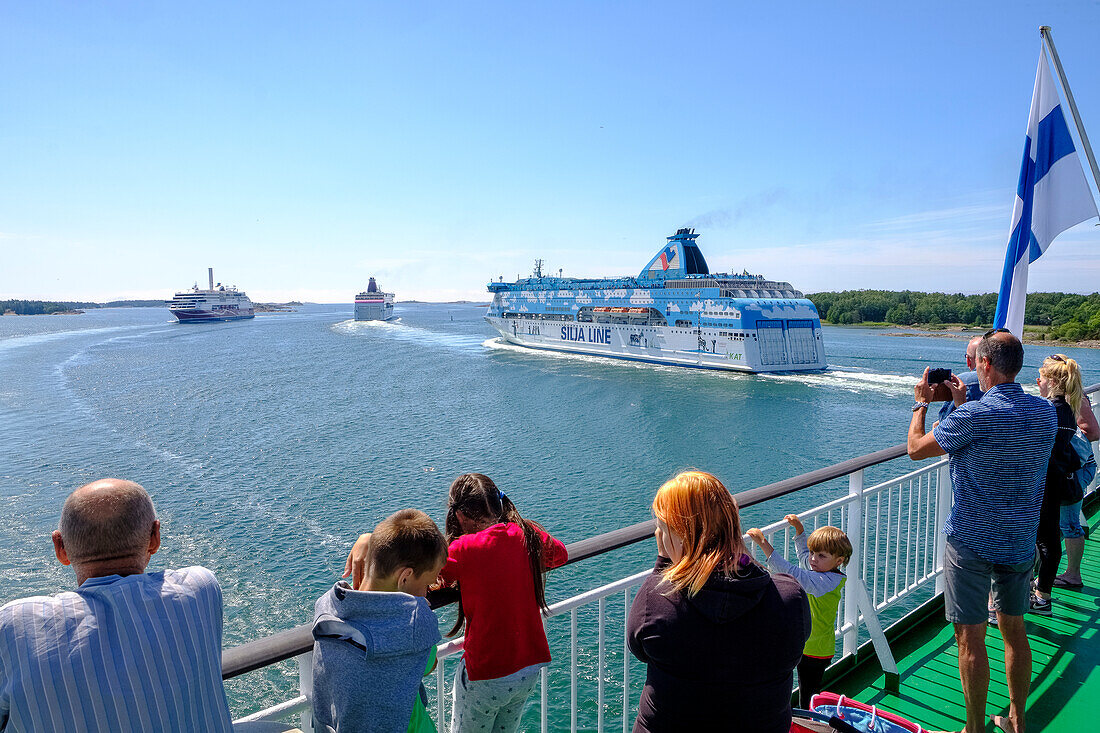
1060	583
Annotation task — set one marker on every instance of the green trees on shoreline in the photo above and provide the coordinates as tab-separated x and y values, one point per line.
40	307
44	307
1066	316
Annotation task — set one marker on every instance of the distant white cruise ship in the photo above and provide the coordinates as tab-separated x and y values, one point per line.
215	304
373	305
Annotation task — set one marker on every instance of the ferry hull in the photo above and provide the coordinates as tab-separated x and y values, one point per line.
209	317
373	311
789	349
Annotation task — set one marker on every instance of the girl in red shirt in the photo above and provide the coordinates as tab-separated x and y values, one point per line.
497	558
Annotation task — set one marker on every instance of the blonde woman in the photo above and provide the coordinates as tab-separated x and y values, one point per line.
719	636
1060	382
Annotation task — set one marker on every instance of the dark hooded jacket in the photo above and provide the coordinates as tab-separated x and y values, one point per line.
723	659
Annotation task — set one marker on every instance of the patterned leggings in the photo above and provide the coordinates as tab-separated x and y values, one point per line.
491	706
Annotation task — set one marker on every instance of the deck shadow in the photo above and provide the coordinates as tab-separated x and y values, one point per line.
1065	652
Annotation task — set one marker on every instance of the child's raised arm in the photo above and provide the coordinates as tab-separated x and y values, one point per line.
758	537
814	583
799	537
796	523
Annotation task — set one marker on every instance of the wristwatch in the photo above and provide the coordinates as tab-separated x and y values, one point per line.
918	405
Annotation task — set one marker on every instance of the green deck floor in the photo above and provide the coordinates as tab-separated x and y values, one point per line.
1065	687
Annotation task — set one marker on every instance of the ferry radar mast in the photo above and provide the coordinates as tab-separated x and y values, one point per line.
538	268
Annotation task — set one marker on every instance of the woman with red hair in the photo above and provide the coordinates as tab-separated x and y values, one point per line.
720	636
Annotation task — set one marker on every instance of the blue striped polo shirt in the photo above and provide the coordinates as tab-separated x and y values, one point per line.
999	447
134	653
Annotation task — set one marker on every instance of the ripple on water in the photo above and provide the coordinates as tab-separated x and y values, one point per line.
269	445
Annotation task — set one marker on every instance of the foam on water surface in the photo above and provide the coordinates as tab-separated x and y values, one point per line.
396	330
845	378
270	444
12	343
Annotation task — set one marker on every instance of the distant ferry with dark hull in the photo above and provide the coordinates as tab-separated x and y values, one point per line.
217	303
675	312
373	305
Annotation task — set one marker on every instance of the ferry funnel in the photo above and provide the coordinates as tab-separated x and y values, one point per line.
210	272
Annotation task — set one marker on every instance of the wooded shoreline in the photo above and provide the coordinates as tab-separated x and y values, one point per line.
1068	318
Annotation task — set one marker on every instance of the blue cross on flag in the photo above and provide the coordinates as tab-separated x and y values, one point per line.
1052	196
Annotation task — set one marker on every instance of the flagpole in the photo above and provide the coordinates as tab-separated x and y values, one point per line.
1048	40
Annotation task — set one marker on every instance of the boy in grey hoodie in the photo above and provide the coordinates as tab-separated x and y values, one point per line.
373	645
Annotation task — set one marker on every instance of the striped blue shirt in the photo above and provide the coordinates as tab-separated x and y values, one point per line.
134	653
999	447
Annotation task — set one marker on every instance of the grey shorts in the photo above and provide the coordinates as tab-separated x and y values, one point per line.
968	580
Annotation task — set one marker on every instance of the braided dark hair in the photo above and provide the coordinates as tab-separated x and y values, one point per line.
477	497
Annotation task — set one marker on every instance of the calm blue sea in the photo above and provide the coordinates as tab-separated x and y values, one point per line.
268	445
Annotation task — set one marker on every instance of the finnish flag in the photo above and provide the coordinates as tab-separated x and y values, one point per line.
1052	196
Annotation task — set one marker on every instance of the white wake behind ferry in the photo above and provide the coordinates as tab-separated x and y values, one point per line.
214	304
675	312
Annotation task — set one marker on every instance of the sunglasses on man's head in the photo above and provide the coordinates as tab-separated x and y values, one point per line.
992	331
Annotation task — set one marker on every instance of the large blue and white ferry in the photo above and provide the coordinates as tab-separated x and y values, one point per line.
675	312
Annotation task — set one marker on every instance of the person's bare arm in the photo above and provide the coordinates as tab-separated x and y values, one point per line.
1086	420
795	522
758	537
356	564
922	445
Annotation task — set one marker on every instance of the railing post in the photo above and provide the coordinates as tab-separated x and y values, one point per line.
627	722
602	606
440	682
305	687
573	671
544	707
943	509
855	532
878	638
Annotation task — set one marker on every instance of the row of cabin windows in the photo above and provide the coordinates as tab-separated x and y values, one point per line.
538	316
679	324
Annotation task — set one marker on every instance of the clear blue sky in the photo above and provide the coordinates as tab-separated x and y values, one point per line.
300	148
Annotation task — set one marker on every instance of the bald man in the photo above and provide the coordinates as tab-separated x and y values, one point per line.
969	378
127	650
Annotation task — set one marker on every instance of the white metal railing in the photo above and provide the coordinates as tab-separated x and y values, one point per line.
570	606
897	545
896	531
